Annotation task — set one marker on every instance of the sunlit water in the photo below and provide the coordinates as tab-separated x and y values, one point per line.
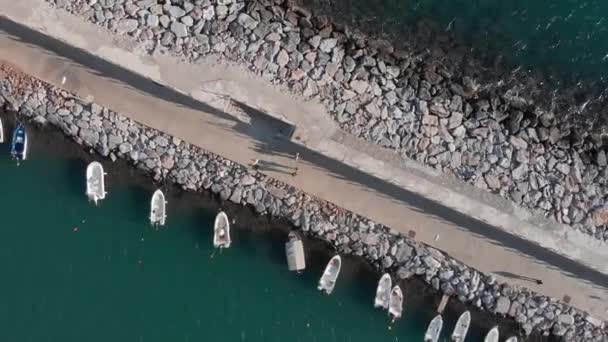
76	272
566	38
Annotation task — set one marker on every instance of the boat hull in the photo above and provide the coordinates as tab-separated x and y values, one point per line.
383	292
462	327
158	208
19	143
396	303
492	335
434	329
96	189
221	231
327	283
294	251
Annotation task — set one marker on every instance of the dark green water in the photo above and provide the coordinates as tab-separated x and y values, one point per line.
117	279
565	38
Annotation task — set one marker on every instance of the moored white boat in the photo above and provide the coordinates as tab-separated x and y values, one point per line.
434	329
221	231
19	143
1	132
383	291
492	335
462	327
395	306
330	275
158	213
294	250
96	188
512	339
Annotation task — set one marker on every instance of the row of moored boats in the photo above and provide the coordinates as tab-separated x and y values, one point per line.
388	297
96	191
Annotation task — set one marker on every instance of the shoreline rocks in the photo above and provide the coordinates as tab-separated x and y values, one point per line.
164	157
492	138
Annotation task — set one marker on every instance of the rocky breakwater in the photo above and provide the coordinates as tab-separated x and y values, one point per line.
163	157
405	100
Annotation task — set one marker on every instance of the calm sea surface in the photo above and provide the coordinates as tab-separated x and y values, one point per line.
118	279
567	38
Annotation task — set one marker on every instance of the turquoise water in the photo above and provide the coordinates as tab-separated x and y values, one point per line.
566	38
117	279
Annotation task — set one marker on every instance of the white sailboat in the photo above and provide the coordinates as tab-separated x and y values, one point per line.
434	329
383	292
1	132
221	231
330	275
492	335
158	213
462	327
96	189
512	339
395	307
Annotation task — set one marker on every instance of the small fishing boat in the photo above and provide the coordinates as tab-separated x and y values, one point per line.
434	329
19	144
96	188
383	292
328	279
512	339
462	327
395	307
294	249
1	132
221	231
492	335
158	204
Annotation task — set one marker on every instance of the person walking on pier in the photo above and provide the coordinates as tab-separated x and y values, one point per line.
295	169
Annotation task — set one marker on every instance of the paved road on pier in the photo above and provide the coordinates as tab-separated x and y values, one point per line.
478	244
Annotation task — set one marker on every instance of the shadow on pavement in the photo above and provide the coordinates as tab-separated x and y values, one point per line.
271	136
